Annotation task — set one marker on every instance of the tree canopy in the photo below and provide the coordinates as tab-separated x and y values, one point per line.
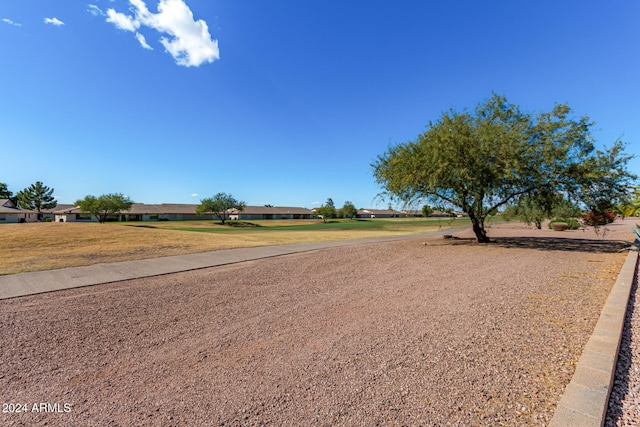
536	207
104	206
4	192
36	197
349	210
328	210
219	205
630	206
479	161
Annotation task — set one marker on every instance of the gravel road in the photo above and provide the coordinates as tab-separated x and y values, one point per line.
429	332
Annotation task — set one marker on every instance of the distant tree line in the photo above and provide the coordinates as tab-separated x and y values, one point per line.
328	210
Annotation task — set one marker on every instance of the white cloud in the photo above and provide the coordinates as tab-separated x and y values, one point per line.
53	21
95	10
195	195
10	22
143	41
316	203
187	40
122	21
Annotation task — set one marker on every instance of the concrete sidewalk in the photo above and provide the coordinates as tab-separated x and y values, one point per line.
17	285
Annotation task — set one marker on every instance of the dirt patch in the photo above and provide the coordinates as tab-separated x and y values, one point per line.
417	332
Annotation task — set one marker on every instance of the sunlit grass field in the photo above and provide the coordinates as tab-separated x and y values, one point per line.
44	246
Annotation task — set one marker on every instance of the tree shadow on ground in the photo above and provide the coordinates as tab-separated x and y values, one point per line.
242	224
561	244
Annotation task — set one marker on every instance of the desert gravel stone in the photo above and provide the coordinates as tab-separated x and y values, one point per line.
624	400
418	332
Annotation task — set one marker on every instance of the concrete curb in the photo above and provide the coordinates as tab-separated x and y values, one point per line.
586	398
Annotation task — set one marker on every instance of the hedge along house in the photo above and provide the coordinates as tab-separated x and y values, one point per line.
9	212
269	212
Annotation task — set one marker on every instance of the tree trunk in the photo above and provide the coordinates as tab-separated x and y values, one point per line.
478	228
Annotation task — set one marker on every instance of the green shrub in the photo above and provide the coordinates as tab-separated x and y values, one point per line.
573	223
47	219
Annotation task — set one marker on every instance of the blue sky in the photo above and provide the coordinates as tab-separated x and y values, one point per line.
285	102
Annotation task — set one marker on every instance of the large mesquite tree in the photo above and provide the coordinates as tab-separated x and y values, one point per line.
482	160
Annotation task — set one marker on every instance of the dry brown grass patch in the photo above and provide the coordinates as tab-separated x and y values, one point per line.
45	246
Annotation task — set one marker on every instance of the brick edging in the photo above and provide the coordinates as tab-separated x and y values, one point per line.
586	398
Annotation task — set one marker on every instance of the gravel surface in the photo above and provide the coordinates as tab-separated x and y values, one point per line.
427	332
624	401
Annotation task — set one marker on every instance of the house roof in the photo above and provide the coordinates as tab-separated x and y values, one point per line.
175	208
7	207
142	209
66	209
439	213
190	209
377	211
411	212
58	207
293	210
272	210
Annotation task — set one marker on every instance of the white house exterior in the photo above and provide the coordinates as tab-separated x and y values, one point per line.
270	212
377	213
50	213
72	214
9	212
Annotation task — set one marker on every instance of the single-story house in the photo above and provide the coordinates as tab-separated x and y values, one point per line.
448	214
270	212
411	213
176	212
377	213
137	212
9	212
50	213
441	214
71	214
